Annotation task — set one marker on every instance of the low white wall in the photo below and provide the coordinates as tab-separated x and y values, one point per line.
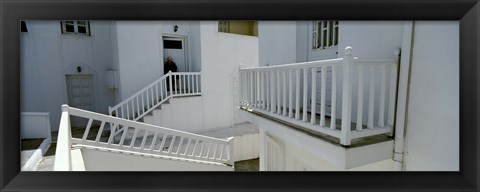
35	125
305	152
222	53
96	160
432	138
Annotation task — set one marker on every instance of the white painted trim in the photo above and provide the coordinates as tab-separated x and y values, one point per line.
403	90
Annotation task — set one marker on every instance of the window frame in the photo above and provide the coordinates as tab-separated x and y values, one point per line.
325	34
76	26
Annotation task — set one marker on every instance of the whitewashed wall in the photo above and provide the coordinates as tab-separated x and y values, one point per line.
140	51
432	138
221	55
277	42
47	56
95	160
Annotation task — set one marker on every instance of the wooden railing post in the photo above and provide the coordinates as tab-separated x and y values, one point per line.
346	97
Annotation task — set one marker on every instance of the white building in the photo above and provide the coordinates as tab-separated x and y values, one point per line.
93	65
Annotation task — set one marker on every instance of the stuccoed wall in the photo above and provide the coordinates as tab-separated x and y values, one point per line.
432	139
47	55
222	54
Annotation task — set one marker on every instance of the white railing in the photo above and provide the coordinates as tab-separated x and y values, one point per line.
158	92
138	137
283	91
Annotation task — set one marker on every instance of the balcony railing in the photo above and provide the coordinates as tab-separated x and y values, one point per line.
284	92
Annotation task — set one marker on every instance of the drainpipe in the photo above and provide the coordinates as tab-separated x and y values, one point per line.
402	99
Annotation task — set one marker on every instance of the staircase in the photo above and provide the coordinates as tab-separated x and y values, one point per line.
157	96
173	147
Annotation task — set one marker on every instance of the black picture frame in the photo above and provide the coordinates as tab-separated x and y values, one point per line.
466	11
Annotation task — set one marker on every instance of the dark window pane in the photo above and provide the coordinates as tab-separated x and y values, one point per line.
69	28
23	27
170	44
81	22
82	29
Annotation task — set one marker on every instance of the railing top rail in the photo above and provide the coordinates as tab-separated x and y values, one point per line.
298	65
150	85
129	123
328	62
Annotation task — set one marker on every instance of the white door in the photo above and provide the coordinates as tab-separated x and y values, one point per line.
80	95
175	48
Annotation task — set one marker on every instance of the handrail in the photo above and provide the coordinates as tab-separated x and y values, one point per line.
289	92
146	138
156	93
63	154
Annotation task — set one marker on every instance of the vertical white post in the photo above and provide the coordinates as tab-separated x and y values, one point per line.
231	154
170	79
305	87
257	81
272	92
346	98
313	110
284	106
371	101
383	84
393	89
360	98
333	112
297	94
252	88
267	89
290	93
278	93
323	95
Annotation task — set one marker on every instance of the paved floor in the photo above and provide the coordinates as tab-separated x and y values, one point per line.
247	165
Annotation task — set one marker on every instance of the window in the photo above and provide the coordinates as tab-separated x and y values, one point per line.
23	27
324	34
76	27
238	27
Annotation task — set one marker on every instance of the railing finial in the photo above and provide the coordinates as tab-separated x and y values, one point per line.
64	107
348	50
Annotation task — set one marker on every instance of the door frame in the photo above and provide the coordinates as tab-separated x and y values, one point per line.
92	87
182	38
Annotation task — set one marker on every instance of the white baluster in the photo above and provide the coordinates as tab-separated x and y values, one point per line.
371	100
323	95
284	106
383	86
313	112
297	94
87	129
305	87
360	98
272	92
290	94
333	113
257	81
278	92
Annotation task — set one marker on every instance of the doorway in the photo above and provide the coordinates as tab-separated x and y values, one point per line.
175	47
80	95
